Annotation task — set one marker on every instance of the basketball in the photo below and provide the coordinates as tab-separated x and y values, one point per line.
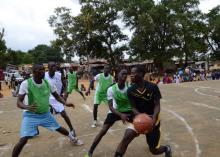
143	123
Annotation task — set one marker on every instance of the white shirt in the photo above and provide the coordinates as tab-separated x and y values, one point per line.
110	95
55	81
24	89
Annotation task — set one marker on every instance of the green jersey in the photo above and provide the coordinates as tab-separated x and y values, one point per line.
39	95
121	99
72	79
103	85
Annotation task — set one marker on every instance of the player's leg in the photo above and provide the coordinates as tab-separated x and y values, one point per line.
97	101
59	108
19	146
28	130
153	140
129	135
95	112
98	138
69	91
80	92
109	121
50	123
68	122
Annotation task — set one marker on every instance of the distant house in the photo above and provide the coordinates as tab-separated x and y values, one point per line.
216	66
11	67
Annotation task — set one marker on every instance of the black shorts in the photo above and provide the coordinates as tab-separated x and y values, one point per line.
153	138
112	118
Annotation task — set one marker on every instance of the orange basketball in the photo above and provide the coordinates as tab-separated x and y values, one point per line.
143	123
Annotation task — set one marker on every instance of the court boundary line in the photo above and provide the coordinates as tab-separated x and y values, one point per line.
190	130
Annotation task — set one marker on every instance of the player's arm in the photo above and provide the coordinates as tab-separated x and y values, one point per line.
131	99
156	97
61	100
20	100
110	97
90	85
123	116
64	83
77	79
21	105
21	95
156	110
88	90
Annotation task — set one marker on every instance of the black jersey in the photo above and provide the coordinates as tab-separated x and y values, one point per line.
143	101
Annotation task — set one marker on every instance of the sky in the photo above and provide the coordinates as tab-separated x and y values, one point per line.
26	25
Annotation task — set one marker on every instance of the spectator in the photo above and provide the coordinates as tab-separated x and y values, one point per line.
13	79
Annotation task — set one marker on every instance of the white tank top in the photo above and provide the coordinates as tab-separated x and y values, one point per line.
55	81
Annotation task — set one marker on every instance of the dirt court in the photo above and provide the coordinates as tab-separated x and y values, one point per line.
190	124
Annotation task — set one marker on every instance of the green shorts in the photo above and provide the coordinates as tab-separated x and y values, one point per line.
99	98
71	88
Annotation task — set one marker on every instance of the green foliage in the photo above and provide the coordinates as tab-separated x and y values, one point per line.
213	32
161	31
93	33
44	54
165	30
3	49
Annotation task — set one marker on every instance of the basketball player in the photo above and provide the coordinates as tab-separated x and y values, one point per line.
145	98
72	83
104	81
55	79
37	110
120	108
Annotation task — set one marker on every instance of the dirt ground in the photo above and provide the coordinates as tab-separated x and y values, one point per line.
190	124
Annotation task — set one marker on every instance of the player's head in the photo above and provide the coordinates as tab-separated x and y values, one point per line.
71	68
137	74
107	69
58	65
52	67
38	71
122	75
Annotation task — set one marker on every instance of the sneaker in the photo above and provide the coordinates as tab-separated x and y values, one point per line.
168	152
77	142
94	124
88	155
73	133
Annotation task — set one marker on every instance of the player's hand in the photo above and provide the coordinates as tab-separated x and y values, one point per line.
32	107
65	95
70	105
124	118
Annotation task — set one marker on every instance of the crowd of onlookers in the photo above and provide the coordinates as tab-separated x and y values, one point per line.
183	76
186	75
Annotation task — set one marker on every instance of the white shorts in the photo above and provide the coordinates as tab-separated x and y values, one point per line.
57	106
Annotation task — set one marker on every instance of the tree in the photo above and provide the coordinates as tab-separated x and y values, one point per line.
94	32
27	58
164	30
189	27
213	32
14	57
44	54
3	49
62	22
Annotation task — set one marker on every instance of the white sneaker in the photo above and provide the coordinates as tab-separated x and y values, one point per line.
72	133
77	141
94	124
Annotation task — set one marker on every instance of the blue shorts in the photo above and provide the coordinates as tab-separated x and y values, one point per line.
31	121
